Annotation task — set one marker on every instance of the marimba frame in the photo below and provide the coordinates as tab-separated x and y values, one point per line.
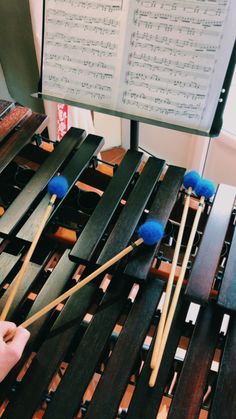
86	345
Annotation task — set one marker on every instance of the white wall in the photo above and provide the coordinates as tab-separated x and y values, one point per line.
221	160
214	158
109	127
175	147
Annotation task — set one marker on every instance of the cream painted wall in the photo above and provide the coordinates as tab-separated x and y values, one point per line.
212	158
108	127
175	147
221	160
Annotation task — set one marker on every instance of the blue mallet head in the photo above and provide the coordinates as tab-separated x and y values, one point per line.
205	188
151	232
58	185
191	179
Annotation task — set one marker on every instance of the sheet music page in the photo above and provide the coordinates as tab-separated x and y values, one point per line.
174	53
158	59
83	49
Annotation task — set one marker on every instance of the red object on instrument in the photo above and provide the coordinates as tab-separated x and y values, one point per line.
62	120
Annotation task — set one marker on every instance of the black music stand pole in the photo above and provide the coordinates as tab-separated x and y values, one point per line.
134	135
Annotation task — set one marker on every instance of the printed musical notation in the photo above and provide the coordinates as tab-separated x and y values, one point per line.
152	58
81	49
110	7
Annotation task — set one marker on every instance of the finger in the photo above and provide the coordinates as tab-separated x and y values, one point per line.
17	344
19	340
6	327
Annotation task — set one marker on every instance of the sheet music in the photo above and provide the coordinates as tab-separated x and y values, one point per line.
160	60
82	48
172	58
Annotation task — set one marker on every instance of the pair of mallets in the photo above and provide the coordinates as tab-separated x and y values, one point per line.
204	189
149	233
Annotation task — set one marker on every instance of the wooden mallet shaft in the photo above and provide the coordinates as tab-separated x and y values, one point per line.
25	264
174	302
170	281
81	284
149	233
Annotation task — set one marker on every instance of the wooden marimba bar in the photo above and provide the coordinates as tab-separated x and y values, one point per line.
90	357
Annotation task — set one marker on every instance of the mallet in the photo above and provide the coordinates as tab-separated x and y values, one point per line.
57	188
205	189
190	182
149	233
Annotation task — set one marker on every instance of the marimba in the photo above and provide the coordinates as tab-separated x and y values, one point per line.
90	357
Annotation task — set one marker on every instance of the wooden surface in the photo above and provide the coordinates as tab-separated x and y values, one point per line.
133	210
12	120
204	269
146	399
5	106
162	205
52	288
71	172
119	368
7	262
224	405
31	276
40	180
227	293
54	347
92	353
19	139
188	396
95	228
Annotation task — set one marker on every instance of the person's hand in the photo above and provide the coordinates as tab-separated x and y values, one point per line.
11	351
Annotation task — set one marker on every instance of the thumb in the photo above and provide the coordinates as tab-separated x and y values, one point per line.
6	328
19	340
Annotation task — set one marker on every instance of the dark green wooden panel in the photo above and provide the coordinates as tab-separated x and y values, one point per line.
192	382
141	259
38	182
72	171
132	211
65	402
111	387
145	400
19	139
203	273
224	400
227	293
87	242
